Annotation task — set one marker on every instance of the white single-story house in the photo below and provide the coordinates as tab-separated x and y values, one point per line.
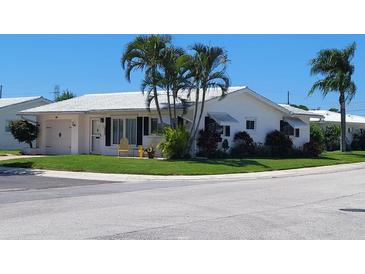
9	107
355	124
95	123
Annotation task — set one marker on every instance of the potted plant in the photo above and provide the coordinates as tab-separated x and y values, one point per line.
150	152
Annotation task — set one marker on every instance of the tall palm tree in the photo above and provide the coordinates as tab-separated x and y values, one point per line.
174	79
336	68
146	53
207	67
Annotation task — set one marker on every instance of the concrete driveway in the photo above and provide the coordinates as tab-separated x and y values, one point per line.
320	203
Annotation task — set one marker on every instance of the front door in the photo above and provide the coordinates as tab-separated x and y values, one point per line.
95	136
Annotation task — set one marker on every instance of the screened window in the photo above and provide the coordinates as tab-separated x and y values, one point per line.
154	125
7	125
117	130
297	132
131	131
227	131
250	124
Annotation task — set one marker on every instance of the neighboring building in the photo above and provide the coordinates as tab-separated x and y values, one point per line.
9	107
95	123
355	124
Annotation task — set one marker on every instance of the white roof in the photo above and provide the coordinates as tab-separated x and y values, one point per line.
334	117
113	102
5	102
299	111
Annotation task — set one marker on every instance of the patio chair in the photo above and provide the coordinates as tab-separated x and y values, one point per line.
124	146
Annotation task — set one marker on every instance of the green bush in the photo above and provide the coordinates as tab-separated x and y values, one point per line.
243	145
358	142
332	137
175	144
312	148
279	143
316	134
23	131
208	142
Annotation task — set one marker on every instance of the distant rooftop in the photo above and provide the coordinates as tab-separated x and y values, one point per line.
5	102
330	116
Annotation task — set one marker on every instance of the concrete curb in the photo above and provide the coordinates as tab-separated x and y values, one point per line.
143	178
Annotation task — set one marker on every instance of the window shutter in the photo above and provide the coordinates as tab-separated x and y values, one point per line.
107	131
180	121
146	125
139	131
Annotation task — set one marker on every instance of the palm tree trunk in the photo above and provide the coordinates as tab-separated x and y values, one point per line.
200	114
174	102
194	118
169	105
157	104
343	122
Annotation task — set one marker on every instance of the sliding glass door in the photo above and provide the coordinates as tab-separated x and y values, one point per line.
131	131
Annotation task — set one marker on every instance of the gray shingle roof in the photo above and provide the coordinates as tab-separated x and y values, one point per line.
111	102
5	102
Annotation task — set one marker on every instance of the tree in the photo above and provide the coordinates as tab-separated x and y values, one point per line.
332	137
65	95
146	53
300	106
334	65
23	131
334	109
207	68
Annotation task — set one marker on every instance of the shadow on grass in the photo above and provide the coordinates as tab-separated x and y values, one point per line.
226	162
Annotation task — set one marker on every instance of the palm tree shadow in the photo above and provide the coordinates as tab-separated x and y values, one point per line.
230	162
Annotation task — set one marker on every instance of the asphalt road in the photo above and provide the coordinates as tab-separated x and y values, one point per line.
319	206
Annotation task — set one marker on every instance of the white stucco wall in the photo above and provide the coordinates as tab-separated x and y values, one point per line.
9	113
242	106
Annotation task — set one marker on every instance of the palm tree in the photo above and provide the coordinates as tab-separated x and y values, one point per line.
336	68
146	53
207	67
174	79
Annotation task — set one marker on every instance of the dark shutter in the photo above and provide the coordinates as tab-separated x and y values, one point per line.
146	125
180	121
139	131
108	131
228	131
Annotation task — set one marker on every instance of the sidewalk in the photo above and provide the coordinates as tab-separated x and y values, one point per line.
144	178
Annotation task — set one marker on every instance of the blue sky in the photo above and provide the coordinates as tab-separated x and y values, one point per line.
269	64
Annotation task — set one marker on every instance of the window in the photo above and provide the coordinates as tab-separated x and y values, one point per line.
131	131
286	128
297	132
117	130
227	131
250	124
154	125
7	125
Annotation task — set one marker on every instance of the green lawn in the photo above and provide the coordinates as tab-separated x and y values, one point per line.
6	152
109	164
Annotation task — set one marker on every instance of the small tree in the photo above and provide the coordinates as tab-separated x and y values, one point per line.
208	141
65	95
332	135
175	145
316	134
243	144
23	131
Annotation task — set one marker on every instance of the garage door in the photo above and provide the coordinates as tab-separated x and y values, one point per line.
58	137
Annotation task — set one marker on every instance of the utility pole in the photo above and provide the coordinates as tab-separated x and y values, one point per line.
288	98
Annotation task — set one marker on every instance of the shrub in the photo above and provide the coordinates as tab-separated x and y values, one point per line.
225	145
23	131
175	144
243	144
316	133
279	143
358	142
312	148
332	137
208	142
